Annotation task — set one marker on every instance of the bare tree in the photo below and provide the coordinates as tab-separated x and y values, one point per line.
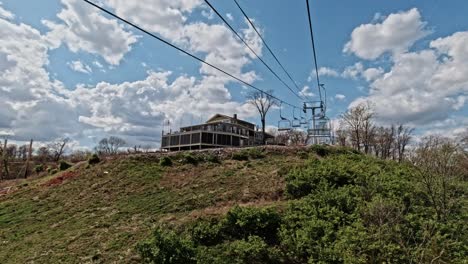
5	173
383	141
57	148
297	137
358	123
43	154
263	101
23	152
402	139
438	160
340	135
110	145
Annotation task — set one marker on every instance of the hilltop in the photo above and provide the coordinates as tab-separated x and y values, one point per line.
258	205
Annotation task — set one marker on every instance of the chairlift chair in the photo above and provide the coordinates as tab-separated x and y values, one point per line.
295	122
284	124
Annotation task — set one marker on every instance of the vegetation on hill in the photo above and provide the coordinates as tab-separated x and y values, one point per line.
260	205
99	212
344	208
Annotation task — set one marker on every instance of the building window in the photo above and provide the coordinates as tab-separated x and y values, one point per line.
196	138
207	138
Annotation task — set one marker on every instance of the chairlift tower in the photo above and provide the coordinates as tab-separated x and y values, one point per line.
318	130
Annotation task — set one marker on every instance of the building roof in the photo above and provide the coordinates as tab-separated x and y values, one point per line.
220	116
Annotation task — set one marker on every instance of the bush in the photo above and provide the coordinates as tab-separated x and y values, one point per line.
167	247
320	150
240	156
52	171
252	250
39	168
165	161
212	158
94	159
63	165
242	222
207	232
189	159
255	153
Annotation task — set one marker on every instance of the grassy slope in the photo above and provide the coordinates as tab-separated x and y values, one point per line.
102	212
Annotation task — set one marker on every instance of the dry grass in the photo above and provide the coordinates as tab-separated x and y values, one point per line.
99	214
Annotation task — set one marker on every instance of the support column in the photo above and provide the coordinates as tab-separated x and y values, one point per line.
28	159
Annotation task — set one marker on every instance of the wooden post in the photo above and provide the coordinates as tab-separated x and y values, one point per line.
26	169
4	160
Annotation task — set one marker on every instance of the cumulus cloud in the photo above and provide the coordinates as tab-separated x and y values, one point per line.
424	86
340	97
359	71
395	34
83	28
36	106
323	71
79	66
306	92
5	13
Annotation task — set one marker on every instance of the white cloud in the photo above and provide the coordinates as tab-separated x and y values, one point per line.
424	86
306	92
340	97
5	13
83	28
229	16
323	71
37	107
78	66
359	71
98	64
396	34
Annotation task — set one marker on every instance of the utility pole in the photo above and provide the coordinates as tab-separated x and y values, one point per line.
26	169
4	160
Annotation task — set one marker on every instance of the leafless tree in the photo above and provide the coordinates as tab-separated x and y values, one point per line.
383	141
4	173
341	136
23	152
402	139
263	101
110	145
57	147
43	154
358	122
438	160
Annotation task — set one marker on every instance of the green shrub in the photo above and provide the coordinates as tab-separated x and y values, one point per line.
63	165
207	232
255	153
242	222
190	159
320	150
165	161
39	168
303	154
52	171
253	250
167	247
240	156
94	159
212	158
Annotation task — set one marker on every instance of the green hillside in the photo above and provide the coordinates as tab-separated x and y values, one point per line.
265	205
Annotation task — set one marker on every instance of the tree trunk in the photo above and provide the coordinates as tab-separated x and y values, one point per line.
28	159
263	131
5	161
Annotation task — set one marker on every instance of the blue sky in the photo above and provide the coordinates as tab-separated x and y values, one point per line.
86	76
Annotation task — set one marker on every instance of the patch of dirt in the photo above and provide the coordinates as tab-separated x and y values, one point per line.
60	179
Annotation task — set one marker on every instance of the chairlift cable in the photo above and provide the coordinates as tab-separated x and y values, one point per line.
313	49
267	46
185	52
250	48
